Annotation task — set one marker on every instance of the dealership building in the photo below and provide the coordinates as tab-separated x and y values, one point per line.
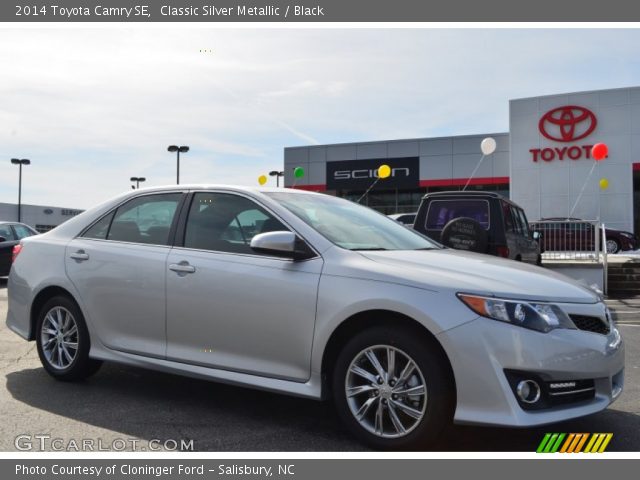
543	163
40	217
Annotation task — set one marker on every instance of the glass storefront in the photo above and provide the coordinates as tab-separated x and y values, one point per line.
407	200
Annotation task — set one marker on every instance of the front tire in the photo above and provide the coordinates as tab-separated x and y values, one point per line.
393	389
63	341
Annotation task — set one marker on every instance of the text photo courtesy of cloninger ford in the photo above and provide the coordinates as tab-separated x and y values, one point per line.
319	240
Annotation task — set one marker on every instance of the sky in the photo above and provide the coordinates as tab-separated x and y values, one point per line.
92	107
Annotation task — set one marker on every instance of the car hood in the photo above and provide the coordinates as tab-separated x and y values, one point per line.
476	273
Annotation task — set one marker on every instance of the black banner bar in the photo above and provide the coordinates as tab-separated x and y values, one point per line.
318	11
307	469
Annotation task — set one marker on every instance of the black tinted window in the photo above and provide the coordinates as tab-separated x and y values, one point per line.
226	223
442	212
508	218
6	232
145	219
520	221
100	229
22	231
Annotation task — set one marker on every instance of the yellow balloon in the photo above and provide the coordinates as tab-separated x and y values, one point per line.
604	183
384	171
262	179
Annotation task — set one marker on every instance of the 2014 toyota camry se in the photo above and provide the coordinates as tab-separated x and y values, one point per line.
312	295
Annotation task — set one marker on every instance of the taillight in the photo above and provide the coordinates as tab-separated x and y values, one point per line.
502	251
16	250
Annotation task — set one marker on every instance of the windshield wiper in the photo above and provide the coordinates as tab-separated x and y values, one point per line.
367	249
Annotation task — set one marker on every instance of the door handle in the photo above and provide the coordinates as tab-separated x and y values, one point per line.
182	267
80	255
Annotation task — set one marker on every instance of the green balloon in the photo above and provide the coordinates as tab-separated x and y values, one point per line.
298	172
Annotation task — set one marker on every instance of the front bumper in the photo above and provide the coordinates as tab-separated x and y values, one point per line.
480	351
629	243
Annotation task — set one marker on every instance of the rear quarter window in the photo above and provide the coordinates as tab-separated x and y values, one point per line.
441	212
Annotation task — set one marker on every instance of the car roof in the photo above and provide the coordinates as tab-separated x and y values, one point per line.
218	186
458	193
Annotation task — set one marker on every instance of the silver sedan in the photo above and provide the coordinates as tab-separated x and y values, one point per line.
312	295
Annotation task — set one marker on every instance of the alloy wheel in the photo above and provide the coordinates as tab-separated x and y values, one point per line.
386	391
59	338
612	246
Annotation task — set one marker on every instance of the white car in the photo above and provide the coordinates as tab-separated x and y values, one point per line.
312	295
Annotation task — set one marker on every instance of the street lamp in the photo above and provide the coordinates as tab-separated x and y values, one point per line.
178	150
277	174
22	162
137	180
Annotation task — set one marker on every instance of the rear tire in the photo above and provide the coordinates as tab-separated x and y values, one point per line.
63	341
613	246
389	408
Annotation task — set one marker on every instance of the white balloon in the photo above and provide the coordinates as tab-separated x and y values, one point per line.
488	146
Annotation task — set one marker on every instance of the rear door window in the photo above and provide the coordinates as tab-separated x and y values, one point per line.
145	219
509	223
100	229
442	212
22	231
6	232
521	221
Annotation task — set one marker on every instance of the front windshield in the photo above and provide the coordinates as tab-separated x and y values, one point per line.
350	225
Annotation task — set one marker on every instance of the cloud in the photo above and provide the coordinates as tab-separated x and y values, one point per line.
92	107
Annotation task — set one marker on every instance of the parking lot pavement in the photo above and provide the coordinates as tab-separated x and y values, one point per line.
122	403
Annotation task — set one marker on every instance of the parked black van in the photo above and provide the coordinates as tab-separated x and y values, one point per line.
483	222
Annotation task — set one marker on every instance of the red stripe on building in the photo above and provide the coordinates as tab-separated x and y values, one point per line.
636	167
451	182
312	188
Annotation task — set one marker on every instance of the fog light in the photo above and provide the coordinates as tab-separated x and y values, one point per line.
528	391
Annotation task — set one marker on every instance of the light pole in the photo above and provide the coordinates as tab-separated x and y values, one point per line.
137	180
178	150
277	174
20	163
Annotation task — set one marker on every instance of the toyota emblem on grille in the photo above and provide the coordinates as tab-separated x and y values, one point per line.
567	124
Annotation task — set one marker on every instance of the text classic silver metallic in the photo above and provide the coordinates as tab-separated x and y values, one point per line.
312	295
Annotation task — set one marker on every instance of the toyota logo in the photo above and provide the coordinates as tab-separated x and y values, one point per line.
567	124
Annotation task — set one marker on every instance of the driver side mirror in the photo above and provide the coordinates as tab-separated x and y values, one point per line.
281	244
2	239
536	235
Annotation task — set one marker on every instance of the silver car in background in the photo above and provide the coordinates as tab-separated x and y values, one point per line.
315	296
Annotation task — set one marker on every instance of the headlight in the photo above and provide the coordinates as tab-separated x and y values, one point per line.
542	317
628	235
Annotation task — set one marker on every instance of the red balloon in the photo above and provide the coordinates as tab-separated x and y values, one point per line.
599	151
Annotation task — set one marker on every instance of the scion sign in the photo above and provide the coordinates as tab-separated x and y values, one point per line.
359	174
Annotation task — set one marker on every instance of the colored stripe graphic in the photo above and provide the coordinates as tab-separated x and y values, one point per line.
605	443
555	447
568	442
591	443
550	443
543	443
582	441
574	443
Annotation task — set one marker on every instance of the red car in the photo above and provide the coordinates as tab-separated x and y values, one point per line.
574	234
